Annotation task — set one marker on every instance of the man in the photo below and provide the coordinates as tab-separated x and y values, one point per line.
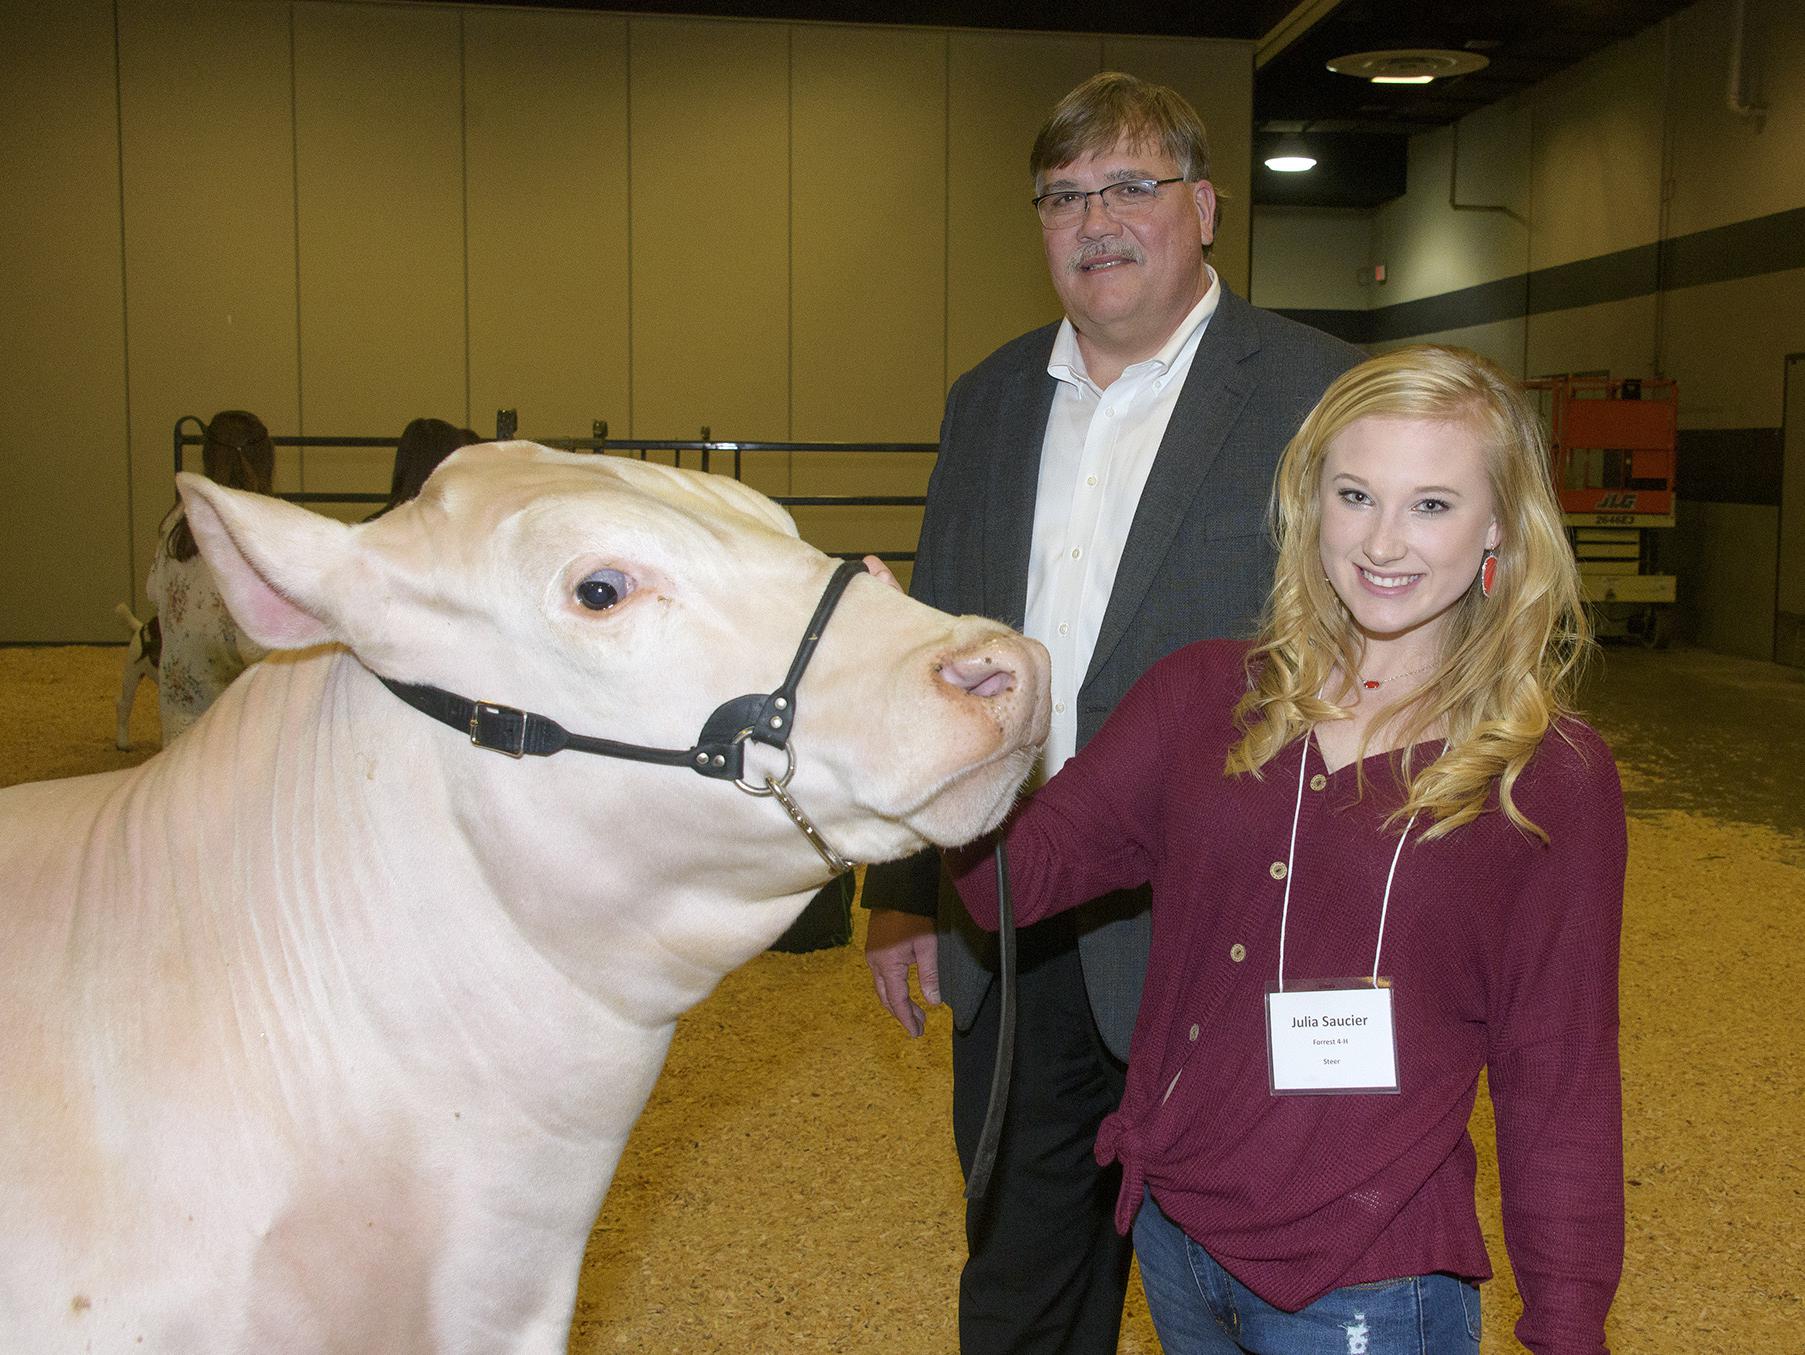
1102	484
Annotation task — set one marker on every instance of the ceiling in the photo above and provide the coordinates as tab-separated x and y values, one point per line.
1360	130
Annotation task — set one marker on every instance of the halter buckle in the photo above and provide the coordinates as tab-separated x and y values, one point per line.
501	729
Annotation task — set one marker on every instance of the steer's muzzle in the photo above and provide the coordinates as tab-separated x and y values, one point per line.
1009	674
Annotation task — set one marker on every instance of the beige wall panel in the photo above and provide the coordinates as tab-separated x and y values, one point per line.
710	229
1615	336
868	251
1000	89
1501	341
767	472
1726	345
545	100
1313	258
1727	168
1496	168
378	114
1598	134
209	231
1217	77
63	448
1429	248
861	529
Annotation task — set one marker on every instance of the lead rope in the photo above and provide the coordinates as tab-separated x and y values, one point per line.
1291	857
988	1138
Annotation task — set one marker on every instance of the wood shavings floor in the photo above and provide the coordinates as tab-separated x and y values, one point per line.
792	1187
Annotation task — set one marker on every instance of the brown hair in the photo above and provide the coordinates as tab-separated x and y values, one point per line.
1111	108
424	443
236	451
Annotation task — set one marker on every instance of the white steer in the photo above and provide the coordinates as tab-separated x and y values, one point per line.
323	1030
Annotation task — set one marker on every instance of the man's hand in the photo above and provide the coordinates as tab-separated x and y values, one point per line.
879	570
893	942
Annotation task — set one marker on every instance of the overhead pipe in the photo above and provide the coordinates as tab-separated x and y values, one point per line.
1737	96
1528	238
1454	180
1664	200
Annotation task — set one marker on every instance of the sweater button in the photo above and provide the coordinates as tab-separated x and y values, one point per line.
1193	1034
1318	781
1237	952
1278	870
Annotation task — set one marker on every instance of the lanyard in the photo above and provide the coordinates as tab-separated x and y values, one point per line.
1303	759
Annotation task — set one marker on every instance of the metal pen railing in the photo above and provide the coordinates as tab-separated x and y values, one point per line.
704	449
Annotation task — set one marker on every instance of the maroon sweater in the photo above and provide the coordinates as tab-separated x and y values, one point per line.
1502	953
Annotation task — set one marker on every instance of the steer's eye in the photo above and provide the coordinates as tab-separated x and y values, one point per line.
602	589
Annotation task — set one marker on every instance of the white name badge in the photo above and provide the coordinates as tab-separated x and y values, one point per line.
1331	1036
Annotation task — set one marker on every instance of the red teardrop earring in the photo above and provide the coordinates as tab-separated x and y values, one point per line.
1488	572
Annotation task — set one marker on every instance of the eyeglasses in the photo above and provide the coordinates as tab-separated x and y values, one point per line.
1124	198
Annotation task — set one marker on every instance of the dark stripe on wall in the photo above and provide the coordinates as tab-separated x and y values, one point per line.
1619	276
1766	244
1452	310
1348	326
1730	465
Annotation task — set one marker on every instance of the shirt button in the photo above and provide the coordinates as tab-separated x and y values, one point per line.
1077	551
1090	480
1237	952
1193	1032
1064	627
1278	870
1318	781
1059	706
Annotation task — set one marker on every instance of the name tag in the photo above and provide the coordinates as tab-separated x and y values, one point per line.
1334	1037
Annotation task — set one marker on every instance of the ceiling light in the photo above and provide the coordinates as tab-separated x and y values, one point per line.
1408	65
1290	155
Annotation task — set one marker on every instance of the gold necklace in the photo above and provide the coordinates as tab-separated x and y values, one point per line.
1373	684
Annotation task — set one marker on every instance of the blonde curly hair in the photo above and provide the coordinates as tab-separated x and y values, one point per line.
1509	664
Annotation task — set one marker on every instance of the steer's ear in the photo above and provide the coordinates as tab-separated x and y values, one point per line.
272	561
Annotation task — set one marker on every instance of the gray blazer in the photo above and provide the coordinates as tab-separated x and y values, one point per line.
1197	565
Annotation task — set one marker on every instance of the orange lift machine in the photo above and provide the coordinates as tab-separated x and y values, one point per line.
1612	442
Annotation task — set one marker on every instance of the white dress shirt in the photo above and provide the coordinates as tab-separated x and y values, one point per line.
1099	448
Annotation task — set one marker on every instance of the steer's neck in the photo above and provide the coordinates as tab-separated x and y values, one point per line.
545	919
335	863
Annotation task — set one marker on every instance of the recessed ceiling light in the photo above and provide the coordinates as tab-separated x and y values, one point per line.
1408	65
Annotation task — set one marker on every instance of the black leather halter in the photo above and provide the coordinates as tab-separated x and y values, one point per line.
719	752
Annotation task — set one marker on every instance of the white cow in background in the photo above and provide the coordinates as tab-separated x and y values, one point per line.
323	1030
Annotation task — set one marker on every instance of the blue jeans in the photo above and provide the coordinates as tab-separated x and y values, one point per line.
1198	1308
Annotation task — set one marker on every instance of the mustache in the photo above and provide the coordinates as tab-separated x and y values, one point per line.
1098	249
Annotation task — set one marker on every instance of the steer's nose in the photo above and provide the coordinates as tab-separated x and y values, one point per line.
981	675
1008	670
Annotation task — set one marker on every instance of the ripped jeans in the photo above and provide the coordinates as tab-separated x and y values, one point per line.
1198	1308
